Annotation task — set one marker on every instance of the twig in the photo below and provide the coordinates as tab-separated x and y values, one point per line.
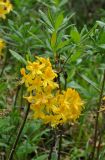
21	97
16	96
60	144
67	60
19	133
96	122
61	127
65	77
101	132
52	145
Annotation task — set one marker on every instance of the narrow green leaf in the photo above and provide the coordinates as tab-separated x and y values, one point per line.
56	2
36	37
102	66
53	39
18	56
102	46
100	23
89	81
75	56
63	2
59	21
45	18
62	44
75	35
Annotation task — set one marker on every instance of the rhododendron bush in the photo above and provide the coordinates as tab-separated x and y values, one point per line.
52	80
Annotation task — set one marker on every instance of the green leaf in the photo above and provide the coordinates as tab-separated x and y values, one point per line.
56	2
90	82
36	37
101	38
18	56
75	85
59	21
75	35
75	56
102	66
102	46
53	39
101	24
62	44
45	18
63	2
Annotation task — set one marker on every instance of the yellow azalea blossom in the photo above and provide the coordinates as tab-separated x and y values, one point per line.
39	75
2	46
48	78
57	109
35	85
44	61
47	103
34	68
67	106
26	78
5	8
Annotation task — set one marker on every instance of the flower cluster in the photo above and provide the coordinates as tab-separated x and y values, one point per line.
5	8
47	102
2	46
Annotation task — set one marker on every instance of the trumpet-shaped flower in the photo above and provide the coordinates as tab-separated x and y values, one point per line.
5	8
48	78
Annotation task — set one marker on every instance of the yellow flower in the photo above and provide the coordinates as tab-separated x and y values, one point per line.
39	75
35	85
58	109
34	68
44	61
69	106
48	78
26	78
2	46
47	103
22	71
65	107
5	8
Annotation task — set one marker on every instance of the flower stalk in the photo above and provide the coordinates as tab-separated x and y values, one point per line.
97	123
53	144
19	134
60	142
101	130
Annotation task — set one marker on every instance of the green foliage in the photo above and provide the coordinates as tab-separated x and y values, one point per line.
18	57
47	29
